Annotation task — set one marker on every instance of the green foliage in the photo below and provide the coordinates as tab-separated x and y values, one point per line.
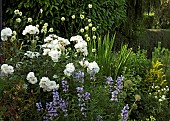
137	64
107	15
162	16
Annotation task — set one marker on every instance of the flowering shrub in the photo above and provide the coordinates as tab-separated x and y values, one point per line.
53	78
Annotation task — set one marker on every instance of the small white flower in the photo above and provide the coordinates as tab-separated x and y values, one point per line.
46	24
81	30
90	5
62	19
86	35
14	33
88	38
51	30
69	69
81	16
18	20
86	28
73	16
89	20
13	38
29	19
93	50
93	28
41	10
20	13
16	12
90	24
37	26
94	37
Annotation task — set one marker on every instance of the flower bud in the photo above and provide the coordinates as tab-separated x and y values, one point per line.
90	5
62	19
137	97
18	20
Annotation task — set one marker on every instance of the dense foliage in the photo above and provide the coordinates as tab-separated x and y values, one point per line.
61	63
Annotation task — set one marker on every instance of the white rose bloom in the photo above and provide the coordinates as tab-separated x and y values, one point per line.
6	33
76	38
48	39
91	66
86	63
44	82
31	78
85	51
63	41
32	54
80	45
55	55
69	69
46	51
52	86
30	30
7	69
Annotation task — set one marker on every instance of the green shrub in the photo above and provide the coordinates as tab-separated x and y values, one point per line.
106	14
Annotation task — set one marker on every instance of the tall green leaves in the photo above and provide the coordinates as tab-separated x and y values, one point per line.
111	62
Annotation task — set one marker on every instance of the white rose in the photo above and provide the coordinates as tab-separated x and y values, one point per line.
6	33
7	69
69	69
44	82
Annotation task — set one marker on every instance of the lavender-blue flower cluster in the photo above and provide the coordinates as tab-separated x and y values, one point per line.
124	112
79	76
53	107
65	85
118	87
82	97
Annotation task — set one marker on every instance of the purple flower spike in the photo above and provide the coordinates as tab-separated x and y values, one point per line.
79	89
86	95
124	113
65	86
39	106
109	80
